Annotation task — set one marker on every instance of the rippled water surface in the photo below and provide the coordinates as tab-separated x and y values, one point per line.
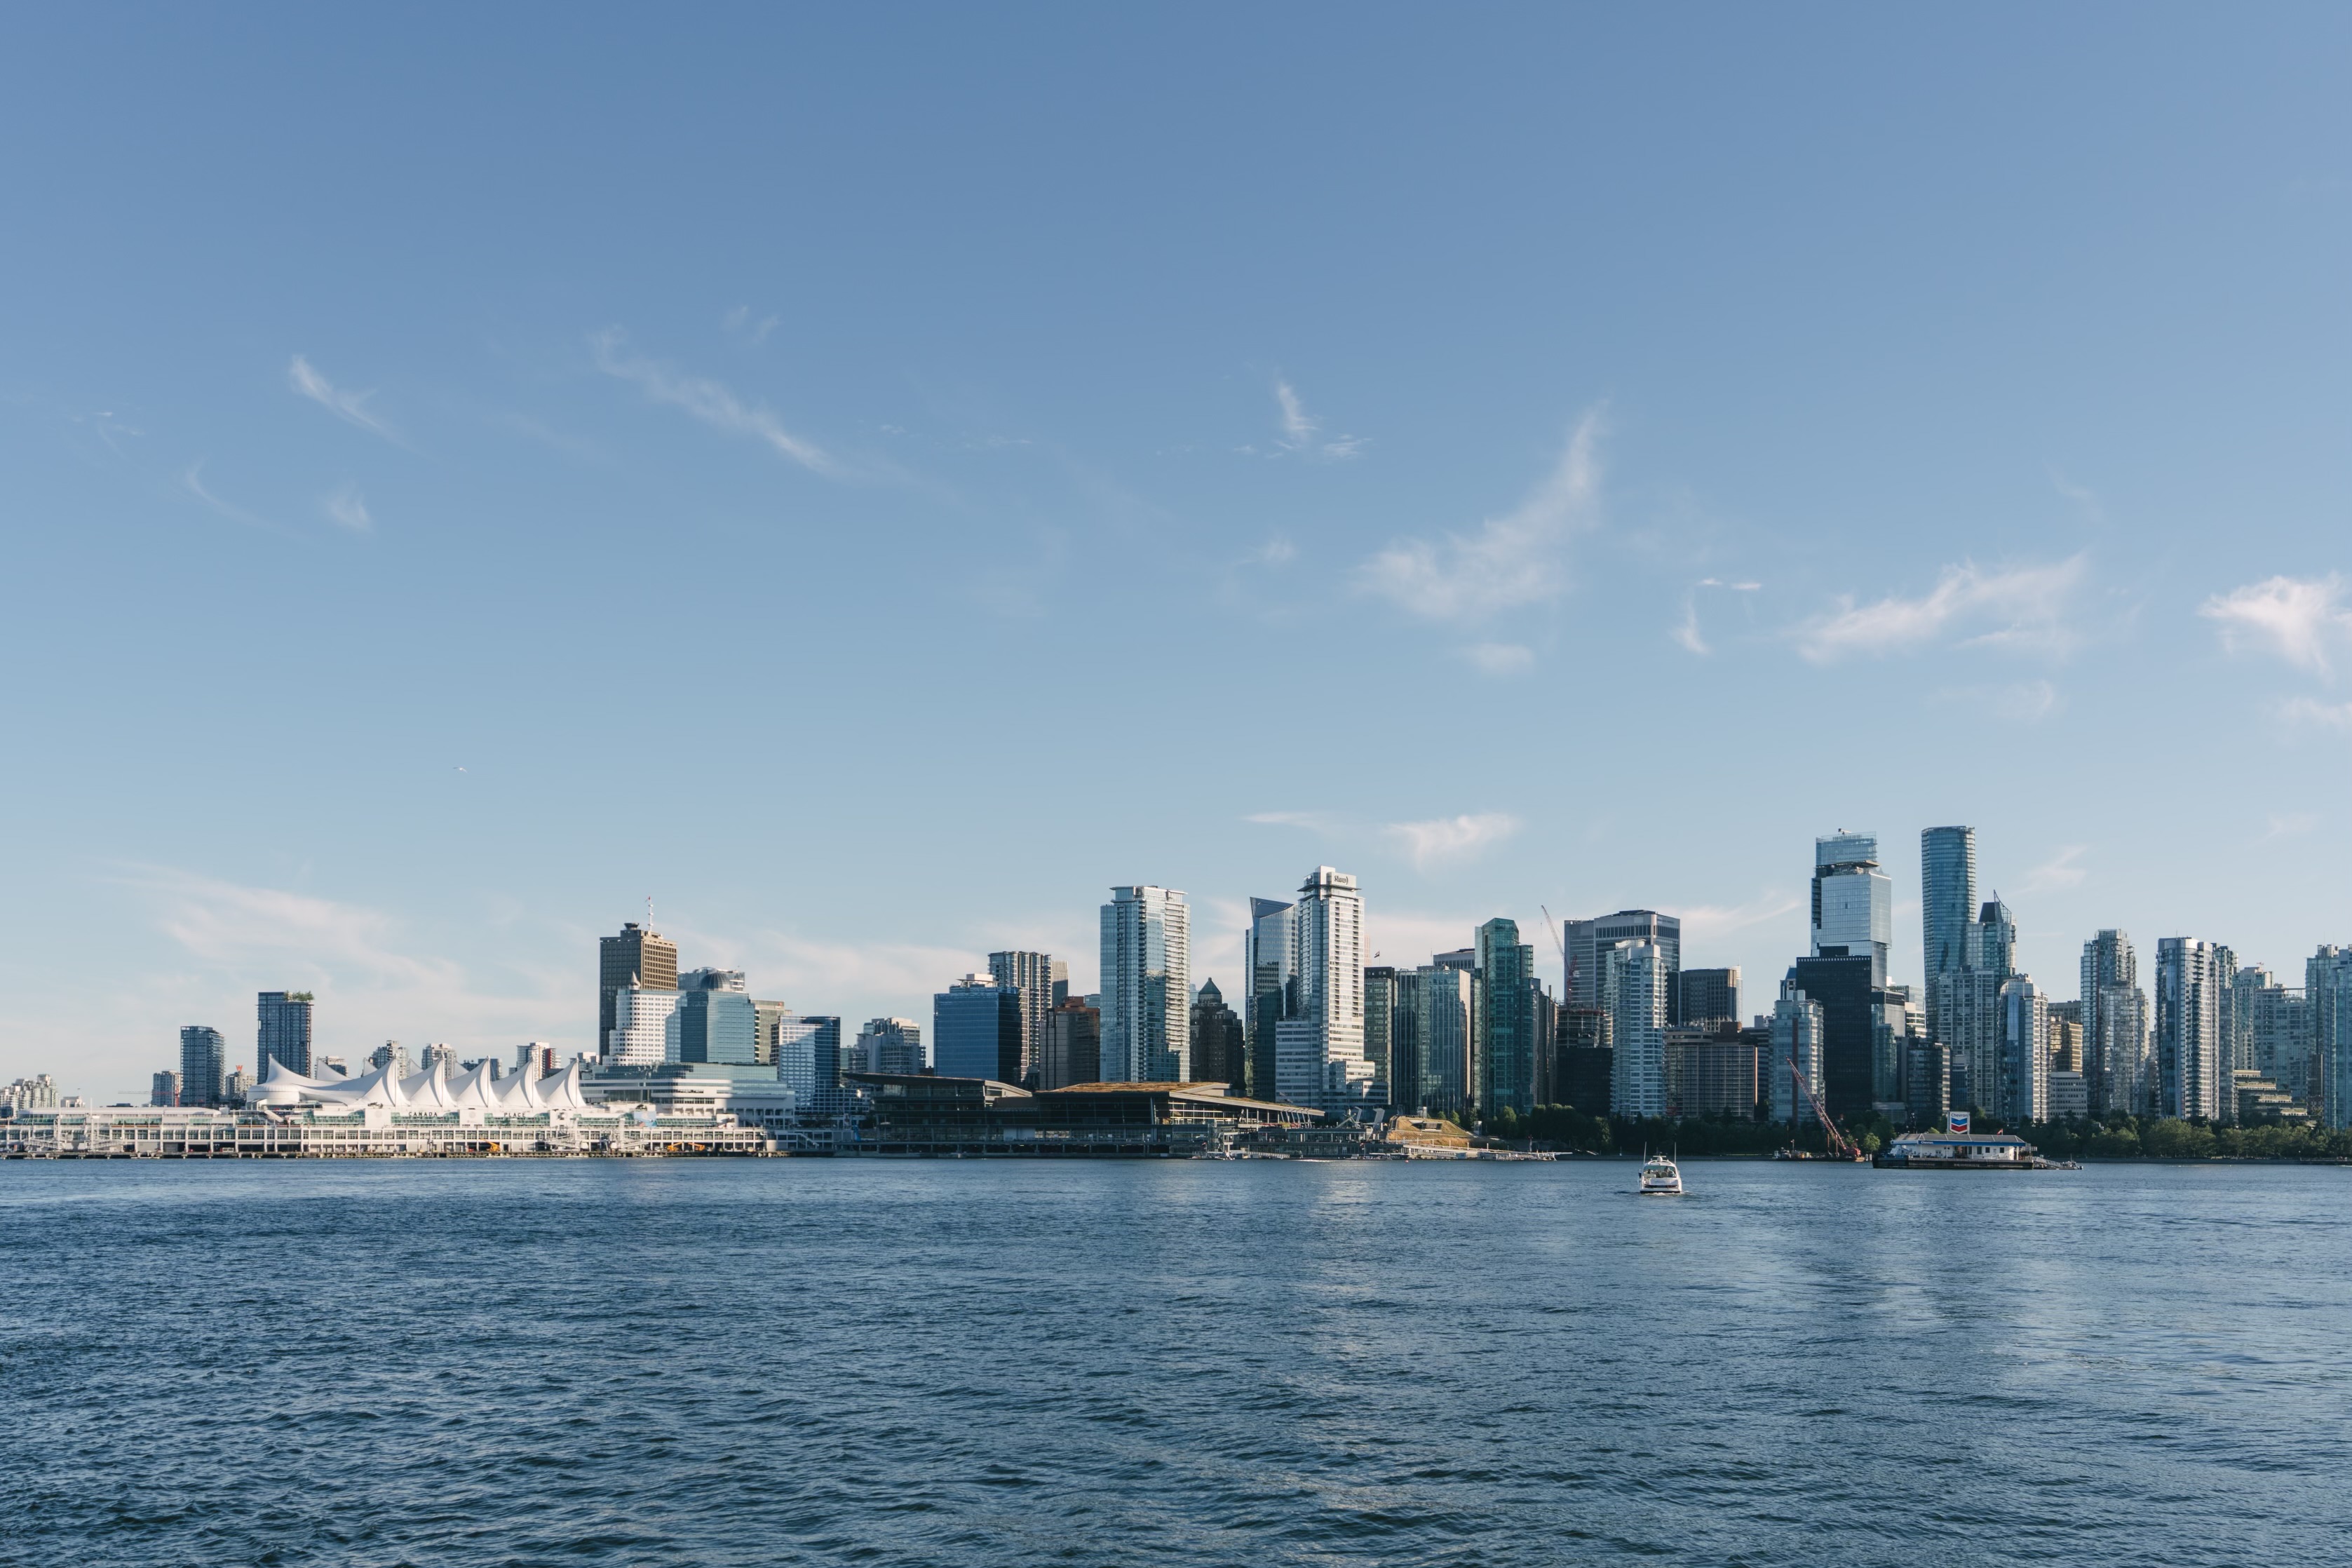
804	1361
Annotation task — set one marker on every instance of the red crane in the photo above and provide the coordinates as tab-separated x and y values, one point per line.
1840	1148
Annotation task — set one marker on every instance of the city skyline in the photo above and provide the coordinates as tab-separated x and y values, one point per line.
1681	413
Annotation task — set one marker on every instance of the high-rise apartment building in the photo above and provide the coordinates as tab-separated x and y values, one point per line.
390	1055
164	1090
285	1032
1947	889
2024	1051
1029	976
1147	985
638	953
1634	983
1703	997
1270	953
1854	902
645	1027
1967	1005
1585	939
976	1029
1509	1003
2115	1027
891	1045
203	1065
1320	1049
1795	1051
2327	997
1444	1003
767	1017
2188	1046
1993	940
716	1021
1073	1049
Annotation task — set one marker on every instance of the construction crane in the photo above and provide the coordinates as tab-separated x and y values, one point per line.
1841	1147
1566	979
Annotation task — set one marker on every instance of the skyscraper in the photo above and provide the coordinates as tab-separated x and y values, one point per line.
284	1034
2115	1032
717	1019
1854	902
1796	1054
1029	976
1707	996
1380	994
1507	1001
645	1028
1320	1049
1073	1050
1220	1047
2024	1051
891	1045
1966	1003
2327	996
639	955
1270	953
203	1065
2188	1060
1147	985
976	1030
1993	940
1634	979
817	1041
1947	897
164	1088
1443	1016
1580	986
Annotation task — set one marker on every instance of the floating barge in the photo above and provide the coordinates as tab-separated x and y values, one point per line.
1961	1151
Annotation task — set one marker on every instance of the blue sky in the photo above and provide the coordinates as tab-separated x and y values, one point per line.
872	479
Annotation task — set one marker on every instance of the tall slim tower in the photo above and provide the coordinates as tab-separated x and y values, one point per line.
1147	985
1319	1050
1271	956
1586	940
1029	976
1853	903
284	1033
1507	970
1947	897
203	1065
2115	1030
2189	1064
638	953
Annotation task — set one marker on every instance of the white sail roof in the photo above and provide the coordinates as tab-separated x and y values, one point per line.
433	1090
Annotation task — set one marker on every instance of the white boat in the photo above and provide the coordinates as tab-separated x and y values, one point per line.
1661	1177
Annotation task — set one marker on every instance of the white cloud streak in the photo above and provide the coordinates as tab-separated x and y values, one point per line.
349	509
2304	712
1685	632
710	401
1447	839
1302	433
2296	618
348	406
1500	658
1508	561
2060	871
193	481
2019	607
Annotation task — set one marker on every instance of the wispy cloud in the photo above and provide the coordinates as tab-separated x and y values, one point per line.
1445	839
2298	618
2299	713
2289	824
1275	551
1686	632
710	402
349	406
739	322
2022	702
1712	920
2059	871
1302	433
1317	821
2018	606
1500	658
347	509
193	481
361	956
1508	561
2083	496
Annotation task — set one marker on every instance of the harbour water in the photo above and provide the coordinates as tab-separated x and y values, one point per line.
966	1362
